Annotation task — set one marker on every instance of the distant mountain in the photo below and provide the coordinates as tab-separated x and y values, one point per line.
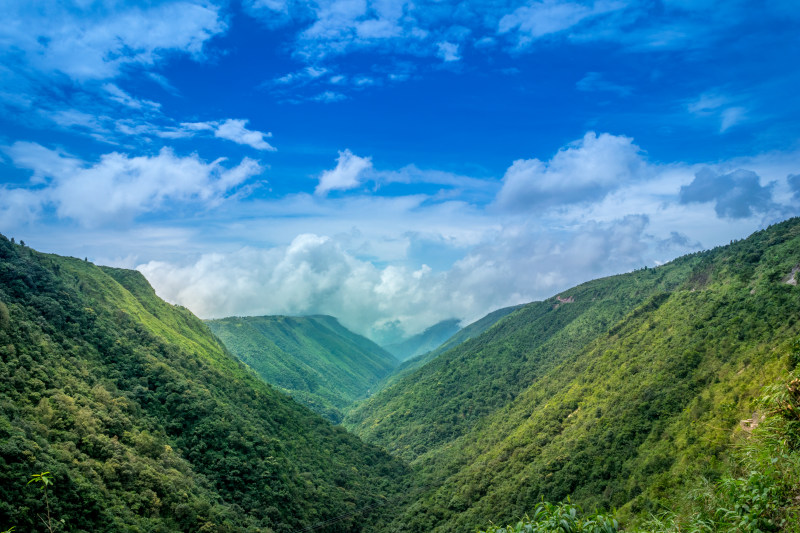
146	423
618	393
315	359
462	335
424	342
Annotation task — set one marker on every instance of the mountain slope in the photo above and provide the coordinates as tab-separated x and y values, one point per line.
426	341
617	393
462	335
314	358
148	424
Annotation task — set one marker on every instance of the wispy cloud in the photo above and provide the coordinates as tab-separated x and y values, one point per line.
95	44
232	130
725	110
595	82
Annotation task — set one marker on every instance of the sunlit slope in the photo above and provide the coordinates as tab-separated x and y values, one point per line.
442	400
314	358
462	335
620	417
148	424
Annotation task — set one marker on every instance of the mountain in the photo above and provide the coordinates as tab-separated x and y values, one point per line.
426	341
315	359
462	335
146	423
618	393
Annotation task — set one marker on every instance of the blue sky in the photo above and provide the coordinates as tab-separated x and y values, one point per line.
393	163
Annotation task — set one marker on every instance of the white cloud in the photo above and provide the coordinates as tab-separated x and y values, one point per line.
230	129
349	173
234	130
328	97
586	170
118	187
538	19
719	108
95	43
121	97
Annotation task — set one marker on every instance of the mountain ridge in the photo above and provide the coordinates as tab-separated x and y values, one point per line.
313	358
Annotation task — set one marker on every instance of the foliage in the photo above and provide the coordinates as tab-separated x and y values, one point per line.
462	335
761	490
620	393
560	518
148	424
313	358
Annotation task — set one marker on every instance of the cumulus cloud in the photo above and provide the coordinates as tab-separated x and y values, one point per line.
738	194
315	274
119	187
585	170
349	173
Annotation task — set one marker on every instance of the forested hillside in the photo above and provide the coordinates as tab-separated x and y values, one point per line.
462	335
146	423
616	393
315	359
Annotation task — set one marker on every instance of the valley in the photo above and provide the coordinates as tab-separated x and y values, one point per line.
617	395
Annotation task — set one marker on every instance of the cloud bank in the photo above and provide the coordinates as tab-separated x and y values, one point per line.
117	188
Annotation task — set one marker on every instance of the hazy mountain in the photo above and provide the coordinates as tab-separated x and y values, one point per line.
424	342
313	358
615	392
462	335
146	423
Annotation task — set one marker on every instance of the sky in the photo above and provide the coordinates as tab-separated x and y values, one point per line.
388	162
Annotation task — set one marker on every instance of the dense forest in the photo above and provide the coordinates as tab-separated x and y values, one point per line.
145	422
617	393
314	359
664	399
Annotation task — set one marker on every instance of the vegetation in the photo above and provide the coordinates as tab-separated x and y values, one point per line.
314	358
635	392
619	393
462	335
146	423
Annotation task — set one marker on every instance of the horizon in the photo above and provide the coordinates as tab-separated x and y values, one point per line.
393	164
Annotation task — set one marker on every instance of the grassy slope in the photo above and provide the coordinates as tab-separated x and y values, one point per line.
313	358
147	423
616	405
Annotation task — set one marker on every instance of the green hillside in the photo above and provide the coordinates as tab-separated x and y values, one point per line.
315	359
462	335
424	342
146	423
616	393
